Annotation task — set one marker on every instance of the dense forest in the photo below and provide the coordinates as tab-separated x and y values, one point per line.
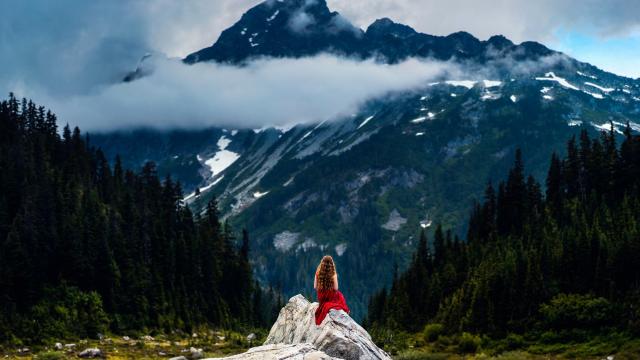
86	247
566	258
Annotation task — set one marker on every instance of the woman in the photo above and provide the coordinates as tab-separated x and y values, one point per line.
326	284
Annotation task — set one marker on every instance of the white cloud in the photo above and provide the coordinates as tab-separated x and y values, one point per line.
266	92
520	20
69	53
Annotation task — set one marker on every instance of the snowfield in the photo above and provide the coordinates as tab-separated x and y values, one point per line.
223	158
550	76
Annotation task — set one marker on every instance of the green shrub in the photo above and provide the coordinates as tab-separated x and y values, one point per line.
51	355
573	311
431	332
514	342
549	337
468	343
65	312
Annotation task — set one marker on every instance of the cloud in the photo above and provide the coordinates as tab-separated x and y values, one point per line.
65	46
520	20
73	53
264	93
300	21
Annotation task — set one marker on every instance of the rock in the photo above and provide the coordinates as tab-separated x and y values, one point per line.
70	346
178	358
251	337
90	353
282	352
147	338
296	336
58	346
196	353
338	335
126	338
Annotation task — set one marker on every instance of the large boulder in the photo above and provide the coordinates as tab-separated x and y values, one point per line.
282	352
338	335
295	335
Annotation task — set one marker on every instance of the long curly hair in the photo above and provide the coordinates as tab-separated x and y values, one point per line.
326	271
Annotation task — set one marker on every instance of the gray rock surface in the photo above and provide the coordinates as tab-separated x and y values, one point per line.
282	352
90	353
296	336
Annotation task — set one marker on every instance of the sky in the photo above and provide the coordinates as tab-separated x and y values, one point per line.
71	54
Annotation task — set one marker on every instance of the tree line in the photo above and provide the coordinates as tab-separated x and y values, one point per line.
566	256
86	247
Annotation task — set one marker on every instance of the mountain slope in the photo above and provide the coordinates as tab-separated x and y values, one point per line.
361	187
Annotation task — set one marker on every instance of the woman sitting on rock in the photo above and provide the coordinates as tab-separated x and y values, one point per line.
326	284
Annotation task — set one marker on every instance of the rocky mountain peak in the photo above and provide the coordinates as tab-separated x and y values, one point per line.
386	26
283	28
499	42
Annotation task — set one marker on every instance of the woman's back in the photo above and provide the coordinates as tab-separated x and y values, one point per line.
326	284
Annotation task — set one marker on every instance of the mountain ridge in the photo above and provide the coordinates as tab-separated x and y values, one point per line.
268	30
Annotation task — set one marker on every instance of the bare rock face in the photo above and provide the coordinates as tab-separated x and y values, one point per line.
338	335
282	352
91	353
296	336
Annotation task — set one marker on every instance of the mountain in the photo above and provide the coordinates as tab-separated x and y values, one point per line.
291	28
361	187
298	28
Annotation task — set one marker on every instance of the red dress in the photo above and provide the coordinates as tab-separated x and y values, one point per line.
329	299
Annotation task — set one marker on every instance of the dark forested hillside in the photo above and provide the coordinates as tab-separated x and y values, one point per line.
567	257
86	247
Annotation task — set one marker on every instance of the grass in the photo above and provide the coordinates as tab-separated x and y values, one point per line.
213	343
567	345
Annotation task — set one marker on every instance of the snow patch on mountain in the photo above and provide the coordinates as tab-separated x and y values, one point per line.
603	89
550	76
595	95
586	75
258	194
607	127
289	182
492	83
366	121
274	16
489	95
469	84
204	189
223	158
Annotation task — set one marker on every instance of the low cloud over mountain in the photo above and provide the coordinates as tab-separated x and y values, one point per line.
266	92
